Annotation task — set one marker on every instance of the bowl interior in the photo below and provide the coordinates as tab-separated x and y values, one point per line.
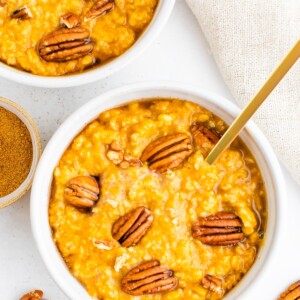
36	145
254	139
160	18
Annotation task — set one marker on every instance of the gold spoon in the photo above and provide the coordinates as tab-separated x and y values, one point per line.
239	123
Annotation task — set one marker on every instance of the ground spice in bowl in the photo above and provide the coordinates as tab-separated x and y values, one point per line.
16	152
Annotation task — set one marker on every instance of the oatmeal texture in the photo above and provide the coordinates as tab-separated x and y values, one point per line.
176	198
111	34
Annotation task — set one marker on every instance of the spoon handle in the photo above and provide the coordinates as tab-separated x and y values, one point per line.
239	123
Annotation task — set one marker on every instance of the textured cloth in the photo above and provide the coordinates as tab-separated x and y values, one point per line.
248	39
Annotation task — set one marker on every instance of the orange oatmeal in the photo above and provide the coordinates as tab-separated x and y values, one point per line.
48	38
136	211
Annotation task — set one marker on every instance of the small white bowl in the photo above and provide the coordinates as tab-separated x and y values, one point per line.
37	149
160	18
252	136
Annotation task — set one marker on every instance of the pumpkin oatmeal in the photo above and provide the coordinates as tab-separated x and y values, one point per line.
136	211
48	38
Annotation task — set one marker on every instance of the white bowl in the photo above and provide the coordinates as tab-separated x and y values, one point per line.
160	18
253	137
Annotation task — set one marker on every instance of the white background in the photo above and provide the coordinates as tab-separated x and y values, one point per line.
179	53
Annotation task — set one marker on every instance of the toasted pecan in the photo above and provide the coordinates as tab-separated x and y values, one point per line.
205	138
102	244
70	20
65	44
292	293
33	295
82	191
22	13
167	152
149	278
212	283
221	229
130	228
116	154
100	8
130	161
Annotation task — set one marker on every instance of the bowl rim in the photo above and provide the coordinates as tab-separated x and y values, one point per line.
36	153
158	22
104	101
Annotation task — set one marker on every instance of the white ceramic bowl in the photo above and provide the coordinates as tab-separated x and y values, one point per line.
253	137
161	16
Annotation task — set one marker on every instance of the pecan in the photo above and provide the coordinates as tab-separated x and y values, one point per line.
103	245
167	152
212	283
65	44
130	228
222	229
22	13
100	8
205	138
292	293
70	20
149	278
82	191
130	161
34	295
116	154
115	145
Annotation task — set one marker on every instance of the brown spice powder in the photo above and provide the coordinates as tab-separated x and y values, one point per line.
15	152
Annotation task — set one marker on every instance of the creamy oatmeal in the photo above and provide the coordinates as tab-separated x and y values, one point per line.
87	33
136	210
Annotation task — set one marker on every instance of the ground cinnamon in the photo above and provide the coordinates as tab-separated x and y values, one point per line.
15	152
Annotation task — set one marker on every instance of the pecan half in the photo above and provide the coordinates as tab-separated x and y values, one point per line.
205	138
70	20
292	293
100	8
82	191
22	13
212	283
167	152
130	228
34	295
221	229
149	278
65	44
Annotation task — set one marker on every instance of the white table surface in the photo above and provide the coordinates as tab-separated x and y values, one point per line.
180	53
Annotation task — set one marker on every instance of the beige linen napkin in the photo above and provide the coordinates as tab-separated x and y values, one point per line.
248	39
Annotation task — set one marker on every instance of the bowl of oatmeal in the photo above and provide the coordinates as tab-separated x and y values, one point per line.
76	42
124	204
